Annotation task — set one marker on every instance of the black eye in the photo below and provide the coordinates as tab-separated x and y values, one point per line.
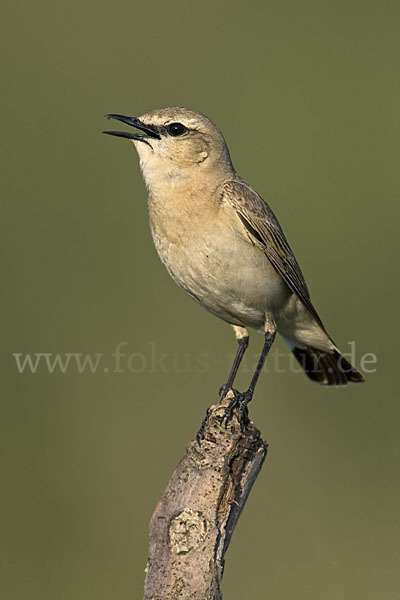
176	129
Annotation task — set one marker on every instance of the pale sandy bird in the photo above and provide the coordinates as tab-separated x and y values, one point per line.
221	243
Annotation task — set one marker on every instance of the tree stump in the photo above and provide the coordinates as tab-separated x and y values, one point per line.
193	523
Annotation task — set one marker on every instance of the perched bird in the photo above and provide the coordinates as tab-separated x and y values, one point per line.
221	243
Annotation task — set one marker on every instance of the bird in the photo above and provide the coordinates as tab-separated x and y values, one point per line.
222	243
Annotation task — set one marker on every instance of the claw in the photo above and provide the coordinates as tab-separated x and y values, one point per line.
240	401
200	433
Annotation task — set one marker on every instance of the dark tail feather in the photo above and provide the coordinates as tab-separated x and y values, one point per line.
327	368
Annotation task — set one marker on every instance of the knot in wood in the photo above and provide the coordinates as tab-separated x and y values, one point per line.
186	530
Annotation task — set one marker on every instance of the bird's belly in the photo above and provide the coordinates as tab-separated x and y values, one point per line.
226	274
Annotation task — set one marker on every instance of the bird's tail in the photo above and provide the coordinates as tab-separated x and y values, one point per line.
326	368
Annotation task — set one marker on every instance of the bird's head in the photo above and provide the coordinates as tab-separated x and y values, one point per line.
176	144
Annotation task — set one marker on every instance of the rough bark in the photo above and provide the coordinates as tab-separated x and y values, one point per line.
193	523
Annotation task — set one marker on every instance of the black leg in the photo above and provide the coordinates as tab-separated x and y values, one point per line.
243	344
242	399
269	339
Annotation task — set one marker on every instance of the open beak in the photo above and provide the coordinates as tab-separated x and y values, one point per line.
148	131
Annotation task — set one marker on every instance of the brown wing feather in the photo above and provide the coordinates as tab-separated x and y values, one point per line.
266	232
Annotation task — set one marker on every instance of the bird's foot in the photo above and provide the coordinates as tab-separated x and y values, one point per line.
240	401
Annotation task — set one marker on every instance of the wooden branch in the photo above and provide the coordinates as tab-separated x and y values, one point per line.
193	523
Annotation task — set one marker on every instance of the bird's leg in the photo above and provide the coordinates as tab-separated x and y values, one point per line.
242	337
242	399
268	341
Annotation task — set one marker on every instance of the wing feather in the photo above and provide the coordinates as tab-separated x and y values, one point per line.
265	231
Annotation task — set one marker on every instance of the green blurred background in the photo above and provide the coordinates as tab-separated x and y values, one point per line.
307	95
